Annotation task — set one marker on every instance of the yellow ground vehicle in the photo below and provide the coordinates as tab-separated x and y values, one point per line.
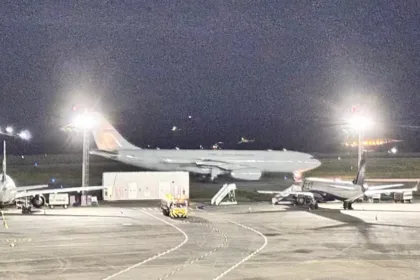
174	207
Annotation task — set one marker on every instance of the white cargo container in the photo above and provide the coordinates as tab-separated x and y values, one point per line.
144	185
58	199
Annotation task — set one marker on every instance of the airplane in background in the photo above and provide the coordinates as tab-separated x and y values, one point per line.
32	196
244	140
239	164
314	190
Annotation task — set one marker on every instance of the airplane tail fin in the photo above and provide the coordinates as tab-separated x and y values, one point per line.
360	177
107	137
4	161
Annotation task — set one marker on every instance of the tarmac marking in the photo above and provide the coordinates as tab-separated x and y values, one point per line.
202	256
4	220
247	257
155	256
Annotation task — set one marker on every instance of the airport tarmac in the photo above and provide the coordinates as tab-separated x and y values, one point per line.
246	241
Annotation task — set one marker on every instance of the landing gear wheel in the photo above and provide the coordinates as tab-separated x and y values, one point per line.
350	207
26	210
345	205
313	206
300	201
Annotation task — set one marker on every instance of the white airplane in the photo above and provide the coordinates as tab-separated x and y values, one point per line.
33	196
244	140
239	164
314	190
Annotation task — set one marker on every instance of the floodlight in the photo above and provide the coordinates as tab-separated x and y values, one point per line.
25	135
9	129
360	123
85	120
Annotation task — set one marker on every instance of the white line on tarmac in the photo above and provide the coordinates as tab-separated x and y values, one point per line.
225	240
155	256
247	257
250	255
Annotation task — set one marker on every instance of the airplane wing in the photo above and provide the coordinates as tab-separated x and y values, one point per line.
269	192
394	180
381	187
286	194
203	166
387	189
63	190
34	187
342	187
370	192
203	163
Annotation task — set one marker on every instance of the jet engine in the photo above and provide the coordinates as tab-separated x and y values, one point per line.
38	201
248	174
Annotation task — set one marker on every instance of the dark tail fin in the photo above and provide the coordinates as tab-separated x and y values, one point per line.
360	177
4	162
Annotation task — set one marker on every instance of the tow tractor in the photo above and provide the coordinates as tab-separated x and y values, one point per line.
174	207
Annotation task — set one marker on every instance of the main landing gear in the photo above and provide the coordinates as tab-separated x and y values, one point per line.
347	205
307	200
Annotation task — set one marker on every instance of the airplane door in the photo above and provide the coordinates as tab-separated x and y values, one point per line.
147	192
132	190
164	188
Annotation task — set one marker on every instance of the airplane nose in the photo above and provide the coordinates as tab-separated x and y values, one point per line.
317	163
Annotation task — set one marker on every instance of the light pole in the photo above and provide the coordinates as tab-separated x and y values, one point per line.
360	149
85	121
360	123
85	164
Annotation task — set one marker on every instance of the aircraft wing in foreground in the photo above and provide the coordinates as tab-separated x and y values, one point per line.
33	187
33	196
30	193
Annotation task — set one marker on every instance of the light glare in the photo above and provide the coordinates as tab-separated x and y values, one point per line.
394	150
360	123
25	135
86	121
9	129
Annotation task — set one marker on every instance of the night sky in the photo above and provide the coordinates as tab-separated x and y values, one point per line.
283	72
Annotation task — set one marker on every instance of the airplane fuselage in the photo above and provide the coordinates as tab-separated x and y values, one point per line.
7	190
265	161
332	189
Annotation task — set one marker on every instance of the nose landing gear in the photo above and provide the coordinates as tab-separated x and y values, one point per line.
25	205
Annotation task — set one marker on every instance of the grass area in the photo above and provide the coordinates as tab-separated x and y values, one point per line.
376	168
